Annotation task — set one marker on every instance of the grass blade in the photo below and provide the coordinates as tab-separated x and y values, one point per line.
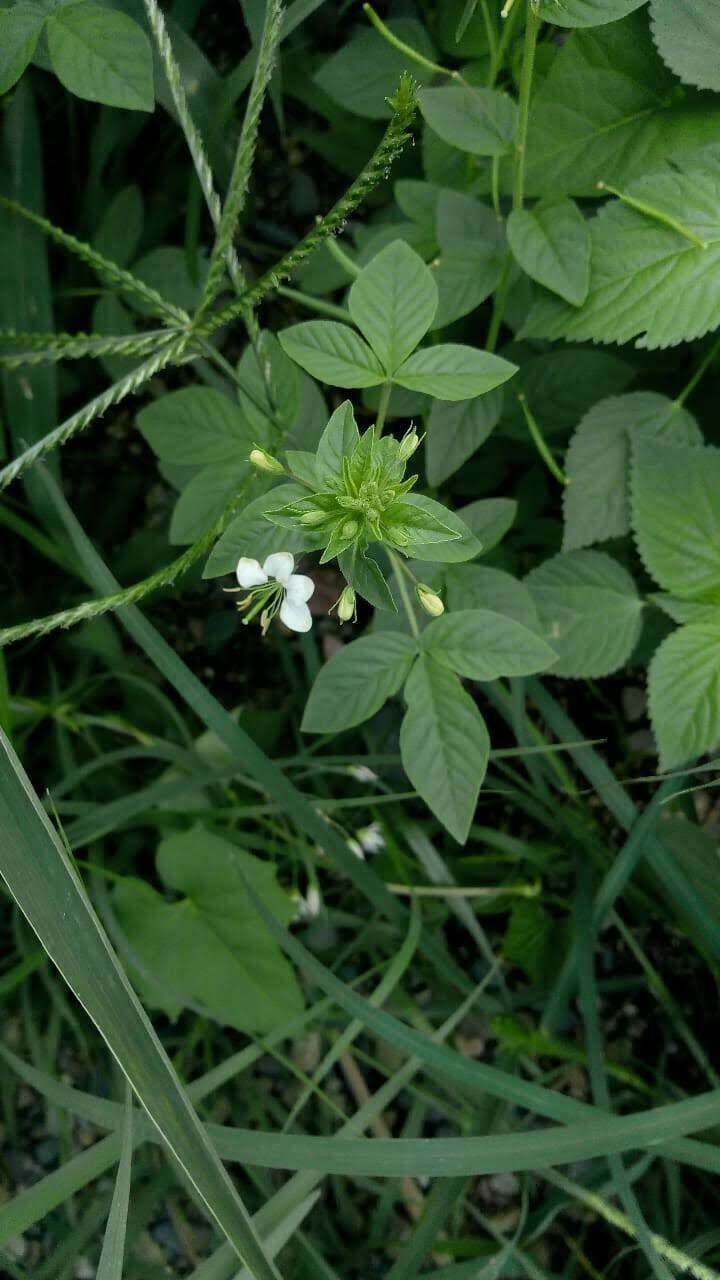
110	1266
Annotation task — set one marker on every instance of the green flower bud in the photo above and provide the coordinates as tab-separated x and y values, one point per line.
350	528
264	461
429	600
408	445
312	517
346	605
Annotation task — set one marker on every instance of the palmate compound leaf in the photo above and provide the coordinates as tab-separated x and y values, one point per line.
648	280
589	610
211	946
357	682
676	516
608	110
586	13
444	745
687	34
684	693
596	500
393	302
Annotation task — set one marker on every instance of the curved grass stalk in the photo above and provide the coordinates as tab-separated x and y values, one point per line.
47	348
104	267
170	353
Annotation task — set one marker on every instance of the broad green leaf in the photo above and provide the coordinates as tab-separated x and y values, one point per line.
684	691
648	281
364	574
393	302
210	945
301	464
357	682
480	121
687	34
412	525
608	111
589	610
532	941
337	441
586	13
465	547
551	242
686	610
270	389
196	426
676	516
560	386
118	233
110	1265
204	499
418	201
252	534
332	352
455	431
478	586
451	371
484	645
489	519
470	262
596	500
101	54
20	29
365	72
166	270
444	745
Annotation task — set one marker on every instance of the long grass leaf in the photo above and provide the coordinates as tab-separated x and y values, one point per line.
110	1266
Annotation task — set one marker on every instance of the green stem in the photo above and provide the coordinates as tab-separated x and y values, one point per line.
699	373
318	305
404	595
338	253
497	62
382	408
532	26
406	49
539	441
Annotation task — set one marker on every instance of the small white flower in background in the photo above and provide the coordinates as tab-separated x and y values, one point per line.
273	587
362	773
371	838
308	908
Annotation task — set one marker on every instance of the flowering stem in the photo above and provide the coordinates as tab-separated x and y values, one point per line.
540	442
404	595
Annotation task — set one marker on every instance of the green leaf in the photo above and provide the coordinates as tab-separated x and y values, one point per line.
20	29
410	525
196	426
366	70
648	281
210	946
203	499
337	441
364	574
484	645
270	389
676	516
455	431
489	519
608	111
589	610
687	35
252	534
480	121
596	500
477	586
118	234
471	257
684	693
586	13
165	269
531	941
444	745
560	386
552	244
332	352
301	464
110	1265
393	302
101	54
686	610
465	547
451	371
357	682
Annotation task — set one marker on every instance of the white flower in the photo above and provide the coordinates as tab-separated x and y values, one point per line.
293	595
371	838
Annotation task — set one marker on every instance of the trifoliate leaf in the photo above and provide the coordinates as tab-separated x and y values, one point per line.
590	612
393	302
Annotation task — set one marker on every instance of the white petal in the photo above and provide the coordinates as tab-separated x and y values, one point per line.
295	616
249	573
299	588
280	566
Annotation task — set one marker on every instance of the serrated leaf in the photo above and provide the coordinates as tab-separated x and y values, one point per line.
479	121
211	946
444	745
20	29
589	610
203	500
196	426
684	692
608	111
484	645
332	352
648	281
464	547
456	430
366	70
364	574
676	516
687	35
478	586
686	610
586	13
252	534
596	501
337	441
551	242
102	55
357	682
451	371
393	302
531	941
